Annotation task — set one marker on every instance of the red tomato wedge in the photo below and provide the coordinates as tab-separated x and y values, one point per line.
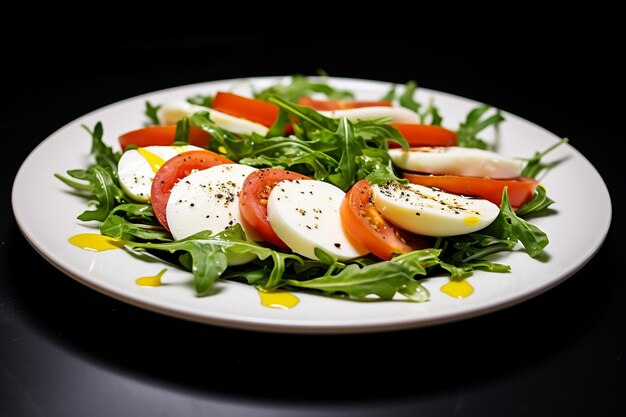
363	223
520	189
162	135
253	200
173	170
340	104
257	111
424	135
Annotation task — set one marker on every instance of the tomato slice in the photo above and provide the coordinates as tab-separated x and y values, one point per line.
162	135
424	135
363	223
253	200
340	104
257	111
520	189
173	170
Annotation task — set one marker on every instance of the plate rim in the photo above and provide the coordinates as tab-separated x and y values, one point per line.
309	327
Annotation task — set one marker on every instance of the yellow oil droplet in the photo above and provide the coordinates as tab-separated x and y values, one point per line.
282	300
471	221
95	242
155	161
458	289
151	280
222	149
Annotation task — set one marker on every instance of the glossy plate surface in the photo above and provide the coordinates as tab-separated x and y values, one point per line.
46	213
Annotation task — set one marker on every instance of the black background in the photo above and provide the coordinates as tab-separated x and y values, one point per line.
67	350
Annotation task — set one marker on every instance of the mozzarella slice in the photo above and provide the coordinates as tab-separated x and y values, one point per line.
209	200
456	160
396	114
430	212
305	215
172	111
137	167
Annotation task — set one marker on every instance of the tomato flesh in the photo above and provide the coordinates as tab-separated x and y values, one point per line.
253	200
172	171
363	223
424	135
520	189
340	104
162	135
257	111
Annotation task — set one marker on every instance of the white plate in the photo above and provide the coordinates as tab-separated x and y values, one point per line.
46	213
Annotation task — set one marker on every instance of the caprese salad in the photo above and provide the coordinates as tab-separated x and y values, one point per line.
303	187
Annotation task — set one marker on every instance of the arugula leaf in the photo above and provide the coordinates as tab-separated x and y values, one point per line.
376	134
181	137
345	172
222	141
120	228
431	112
474	124
209	255
390	95
407	100
534	165
305	115
537	205
311	164
301	86
103	190
151	112
99	182
129	221
383	279
508	226
279	125
201	100
142	213
430	115
103	154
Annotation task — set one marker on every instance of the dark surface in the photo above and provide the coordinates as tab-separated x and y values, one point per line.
66	350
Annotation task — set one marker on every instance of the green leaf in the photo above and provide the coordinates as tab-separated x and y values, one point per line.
301	86
345	173
377	174
313	164
103	154
537	205
390	95
181	137
278	128
120	228
534	165
222	141
383	279
141	213
209	255
151	112
377	134
201	100
80	186
474	124
129	221
106	194
431	113
510	227
305	115
407	100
